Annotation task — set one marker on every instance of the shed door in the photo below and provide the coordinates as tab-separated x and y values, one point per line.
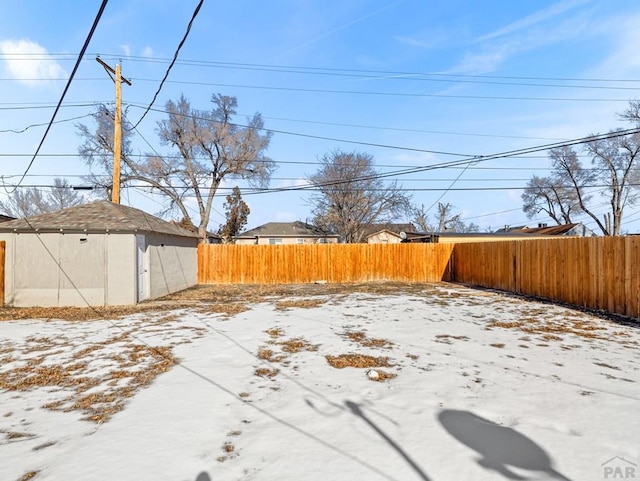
142	265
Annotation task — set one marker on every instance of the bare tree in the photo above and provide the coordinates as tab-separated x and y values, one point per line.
632	114
421	219
208	147
236	212
616	160
564	193
447	222
351	195
28	201
570	188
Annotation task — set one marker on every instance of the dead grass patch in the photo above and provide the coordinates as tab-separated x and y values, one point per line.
132	366
299	303
28	476
499	345
229	309
297	344
269	356
265	372
274	332
357	360
361	338
382	376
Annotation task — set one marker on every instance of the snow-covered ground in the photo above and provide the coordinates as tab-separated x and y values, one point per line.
486	386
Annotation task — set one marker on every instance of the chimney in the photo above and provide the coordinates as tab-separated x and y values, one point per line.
542	225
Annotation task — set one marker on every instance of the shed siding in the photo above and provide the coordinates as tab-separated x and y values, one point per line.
173	264
121	269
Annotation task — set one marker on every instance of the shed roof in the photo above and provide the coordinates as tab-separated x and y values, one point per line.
286	229
100	216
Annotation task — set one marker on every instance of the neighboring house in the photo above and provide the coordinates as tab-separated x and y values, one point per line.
213	238
275	233
97	254
385	233
6	218
575	230
464	237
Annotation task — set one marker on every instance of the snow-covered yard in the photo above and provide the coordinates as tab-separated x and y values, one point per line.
471	385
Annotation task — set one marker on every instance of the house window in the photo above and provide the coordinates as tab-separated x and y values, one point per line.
299	241
274	241
322	240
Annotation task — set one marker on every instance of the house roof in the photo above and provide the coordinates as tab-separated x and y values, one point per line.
370	229
98	216
553	230
285	229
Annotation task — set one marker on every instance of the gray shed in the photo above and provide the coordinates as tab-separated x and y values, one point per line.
98	254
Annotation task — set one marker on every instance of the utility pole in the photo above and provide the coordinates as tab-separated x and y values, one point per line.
117	127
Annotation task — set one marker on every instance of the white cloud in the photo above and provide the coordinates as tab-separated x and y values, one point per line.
414	42
29	62
533	32
126	49
299	182
533	19
624	58
415	158
147	52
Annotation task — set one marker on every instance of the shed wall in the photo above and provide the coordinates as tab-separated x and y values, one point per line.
55	269
173	264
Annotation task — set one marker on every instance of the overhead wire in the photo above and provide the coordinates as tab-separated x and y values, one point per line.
387	74
173	61
24	129
66	88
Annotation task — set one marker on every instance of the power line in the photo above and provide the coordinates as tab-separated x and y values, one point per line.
475	159
175	57
394	94
319	137
20	131
411	75
66	88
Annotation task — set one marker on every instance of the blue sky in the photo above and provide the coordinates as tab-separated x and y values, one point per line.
411	82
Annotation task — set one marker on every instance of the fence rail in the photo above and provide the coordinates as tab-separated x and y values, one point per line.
597	272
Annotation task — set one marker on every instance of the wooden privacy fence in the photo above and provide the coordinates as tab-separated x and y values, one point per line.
596	272
3	246
285	264
593	272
